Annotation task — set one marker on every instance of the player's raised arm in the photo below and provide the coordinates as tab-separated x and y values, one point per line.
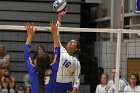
53	31
60	18
30	33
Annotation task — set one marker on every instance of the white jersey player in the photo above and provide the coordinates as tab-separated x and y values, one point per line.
103	87
122	82
68	74
133	87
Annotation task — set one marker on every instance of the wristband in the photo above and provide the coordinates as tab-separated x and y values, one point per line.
58	24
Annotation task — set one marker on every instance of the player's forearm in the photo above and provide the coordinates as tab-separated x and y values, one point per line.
56	40
29	40
11	85
4	85
60	17
75	90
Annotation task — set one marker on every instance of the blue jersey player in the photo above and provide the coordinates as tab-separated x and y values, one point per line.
41	71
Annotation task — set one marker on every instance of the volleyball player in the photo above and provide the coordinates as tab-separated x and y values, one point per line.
61	80
42	68
103	87
122	82
68	74
133	86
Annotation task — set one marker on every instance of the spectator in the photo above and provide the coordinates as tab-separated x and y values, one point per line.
40	50
4	59
122	82
103	87
27	83
8	83
21	89
133	86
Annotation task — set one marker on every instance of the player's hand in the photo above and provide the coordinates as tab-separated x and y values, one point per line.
62	13
53	28
30	29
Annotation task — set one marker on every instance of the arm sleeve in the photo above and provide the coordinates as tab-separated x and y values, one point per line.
56	58
57	52
77	75
29	63
27	52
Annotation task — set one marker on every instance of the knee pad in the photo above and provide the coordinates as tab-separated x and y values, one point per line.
4	91
12	91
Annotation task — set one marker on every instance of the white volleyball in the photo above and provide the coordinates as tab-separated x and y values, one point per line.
60	5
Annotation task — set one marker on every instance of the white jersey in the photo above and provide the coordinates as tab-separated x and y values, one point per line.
122	84
128	89
103	89
69	68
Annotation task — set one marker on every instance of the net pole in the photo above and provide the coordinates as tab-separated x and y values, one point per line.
118	53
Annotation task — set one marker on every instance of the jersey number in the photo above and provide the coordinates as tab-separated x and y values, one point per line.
47	79
67	63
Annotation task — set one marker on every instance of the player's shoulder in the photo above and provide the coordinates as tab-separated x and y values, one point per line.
62	48
76	60
123	81
99	85
110	81
127	87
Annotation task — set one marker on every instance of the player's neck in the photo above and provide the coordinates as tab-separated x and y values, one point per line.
70	52
103	84
133	86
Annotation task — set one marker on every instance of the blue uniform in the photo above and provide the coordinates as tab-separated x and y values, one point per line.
53	86
50	81
31	70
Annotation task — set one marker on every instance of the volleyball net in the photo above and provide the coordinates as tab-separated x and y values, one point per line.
111	48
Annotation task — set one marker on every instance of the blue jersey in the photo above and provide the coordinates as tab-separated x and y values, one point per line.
52	86
51	79
31	70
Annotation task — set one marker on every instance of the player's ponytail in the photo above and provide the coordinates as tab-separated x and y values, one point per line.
43	62
78	47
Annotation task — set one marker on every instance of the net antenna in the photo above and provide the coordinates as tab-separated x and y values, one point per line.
119	33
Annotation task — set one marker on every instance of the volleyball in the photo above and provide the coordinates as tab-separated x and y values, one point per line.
60	5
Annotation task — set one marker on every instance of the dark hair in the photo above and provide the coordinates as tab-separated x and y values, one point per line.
137	78
36	53
21	86
78	47
43	63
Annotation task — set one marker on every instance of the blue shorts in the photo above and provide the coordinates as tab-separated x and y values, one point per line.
54	87
63	87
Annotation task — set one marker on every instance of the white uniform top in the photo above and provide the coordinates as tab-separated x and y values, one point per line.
69	69
122	84
128	89
100	89
103	89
